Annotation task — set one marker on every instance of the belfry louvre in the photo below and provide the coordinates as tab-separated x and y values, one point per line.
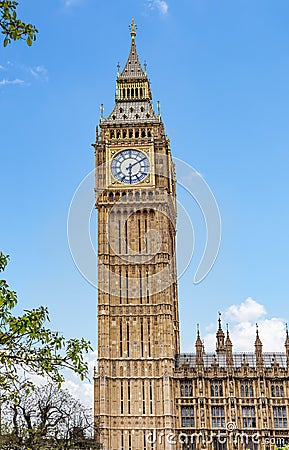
148	395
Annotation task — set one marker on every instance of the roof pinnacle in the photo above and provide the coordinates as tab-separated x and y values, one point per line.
220	320
132	28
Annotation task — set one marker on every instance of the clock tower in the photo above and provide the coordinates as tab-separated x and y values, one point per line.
138	323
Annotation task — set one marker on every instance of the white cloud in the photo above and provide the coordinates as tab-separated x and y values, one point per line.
82	390
161	5
243	331
39	72
247	311
6	82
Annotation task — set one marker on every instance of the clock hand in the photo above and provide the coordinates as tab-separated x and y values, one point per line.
137	162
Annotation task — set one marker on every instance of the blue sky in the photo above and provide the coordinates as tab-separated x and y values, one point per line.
221	71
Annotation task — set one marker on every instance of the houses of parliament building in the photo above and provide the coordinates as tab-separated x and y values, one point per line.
147	394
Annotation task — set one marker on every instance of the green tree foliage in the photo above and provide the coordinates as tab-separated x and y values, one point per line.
28	345
12	27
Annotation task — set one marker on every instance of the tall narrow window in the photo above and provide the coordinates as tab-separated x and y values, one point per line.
129	441
120	338
122	441
126	285
120	287
140	286
146	235
144	441
119	237
143	398
127	338
149	337
128	397
126	237
121	397
151	398
139	235
147	285
141	338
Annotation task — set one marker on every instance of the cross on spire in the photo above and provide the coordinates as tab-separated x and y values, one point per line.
132	28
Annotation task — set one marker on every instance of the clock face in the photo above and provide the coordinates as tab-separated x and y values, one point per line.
130	166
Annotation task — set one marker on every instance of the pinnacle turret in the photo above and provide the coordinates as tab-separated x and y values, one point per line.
258	350
220	335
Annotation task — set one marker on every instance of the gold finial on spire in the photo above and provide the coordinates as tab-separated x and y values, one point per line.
132	28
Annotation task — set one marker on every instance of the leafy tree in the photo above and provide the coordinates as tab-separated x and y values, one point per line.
12	27
46	418
27	345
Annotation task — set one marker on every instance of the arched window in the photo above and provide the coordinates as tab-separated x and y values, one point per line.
111	196
242	390
112	134
186	389
130	133
273	390
143	133
281	391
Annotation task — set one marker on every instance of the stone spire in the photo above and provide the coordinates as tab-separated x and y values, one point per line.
133	97
229	349
199	350
220	335
258	350
133	69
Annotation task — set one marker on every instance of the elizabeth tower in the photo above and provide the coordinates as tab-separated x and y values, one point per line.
138	323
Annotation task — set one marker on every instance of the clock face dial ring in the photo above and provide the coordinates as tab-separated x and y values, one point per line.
130	166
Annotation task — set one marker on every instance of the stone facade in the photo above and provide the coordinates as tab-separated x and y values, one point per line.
147	394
